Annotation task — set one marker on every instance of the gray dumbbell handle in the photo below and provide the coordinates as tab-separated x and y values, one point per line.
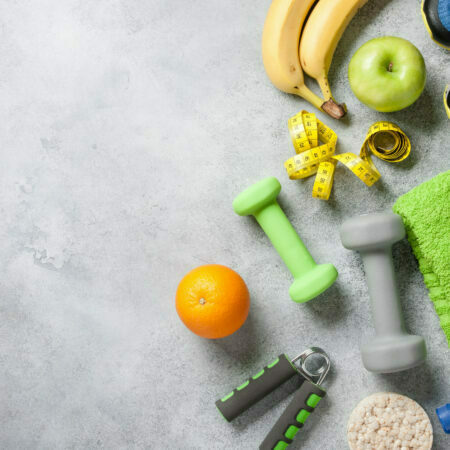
386	308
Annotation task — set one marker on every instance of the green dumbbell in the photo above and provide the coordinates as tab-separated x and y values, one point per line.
260	200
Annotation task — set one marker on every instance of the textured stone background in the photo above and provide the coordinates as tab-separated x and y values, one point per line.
127	128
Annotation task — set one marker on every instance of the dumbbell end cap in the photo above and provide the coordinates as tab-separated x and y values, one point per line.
313	283
395	353
257	196
371	231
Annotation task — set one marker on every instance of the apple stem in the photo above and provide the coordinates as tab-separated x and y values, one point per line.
390	67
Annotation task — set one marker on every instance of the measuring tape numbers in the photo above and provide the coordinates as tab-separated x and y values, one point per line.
385	140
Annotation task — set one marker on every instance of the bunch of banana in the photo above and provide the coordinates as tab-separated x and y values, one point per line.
286	56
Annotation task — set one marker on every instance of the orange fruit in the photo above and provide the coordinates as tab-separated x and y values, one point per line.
212	301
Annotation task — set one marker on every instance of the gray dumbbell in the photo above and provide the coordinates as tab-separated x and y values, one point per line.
392	349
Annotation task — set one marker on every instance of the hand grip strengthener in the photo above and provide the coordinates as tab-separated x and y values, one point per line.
266	381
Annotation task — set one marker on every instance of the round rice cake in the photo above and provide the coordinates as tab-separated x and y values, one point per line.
388	421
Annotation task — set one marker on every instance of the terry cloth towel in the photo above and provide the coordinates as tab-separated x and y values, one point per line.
425	211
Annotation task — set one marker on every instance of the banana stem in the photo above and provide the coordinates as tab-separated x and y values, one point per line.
330	106
304	92
333	109
324	86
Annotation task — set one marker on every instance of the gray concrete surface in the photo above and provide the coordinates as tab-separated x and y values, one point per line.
126	129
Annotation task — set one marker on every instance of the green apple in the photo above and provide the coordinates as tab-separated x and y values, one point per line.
387	73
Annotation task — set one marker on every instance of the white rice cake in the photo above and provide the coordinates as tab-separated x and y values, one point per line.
388	421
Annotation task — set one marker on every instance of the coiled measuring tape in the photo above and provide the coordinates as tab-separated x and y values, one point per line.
384	139
447	100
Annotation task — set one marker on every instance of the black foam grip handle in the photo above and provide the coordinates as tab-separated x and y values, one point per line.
256	387
302	405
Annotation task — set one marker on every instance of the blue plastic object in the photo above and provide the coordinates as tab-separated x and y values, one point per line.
443	414
444	13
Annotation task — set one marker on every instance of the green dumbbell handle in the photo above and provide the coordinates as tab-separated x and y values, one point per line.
260	200
256	387
285	239
294	416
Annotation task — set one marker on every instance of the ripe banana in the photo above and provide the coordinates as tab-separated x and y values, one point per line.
321	34
280	43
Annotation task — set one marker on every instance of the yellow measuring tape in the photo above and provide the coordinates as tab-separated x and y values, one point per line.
384	139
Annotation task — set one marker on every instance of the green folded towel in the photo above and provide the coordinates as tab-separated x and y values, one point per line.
425	211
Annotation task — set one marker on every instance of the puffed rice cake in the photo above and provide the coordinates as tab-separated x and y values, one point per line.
388	421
